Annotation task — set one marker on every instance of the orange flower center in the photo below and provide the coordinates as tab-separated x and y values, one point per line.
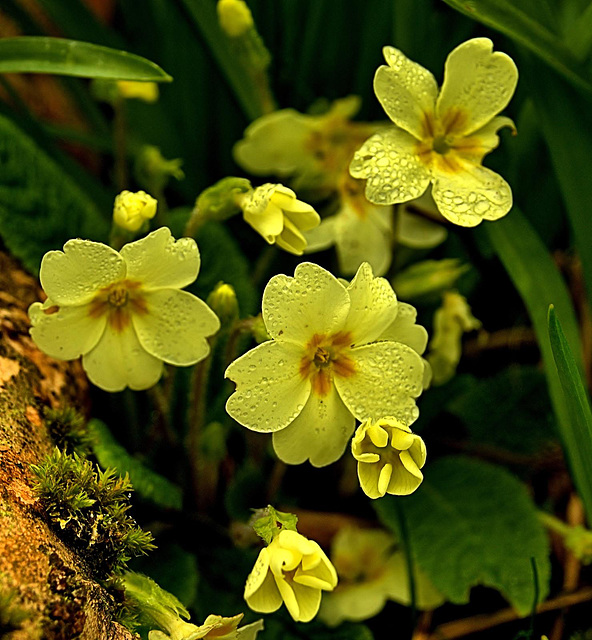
119	300
326	356
444	147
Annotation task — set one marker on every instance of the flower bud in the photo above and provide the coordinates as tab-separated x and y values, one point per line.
131	210
145	91
235	17
223	302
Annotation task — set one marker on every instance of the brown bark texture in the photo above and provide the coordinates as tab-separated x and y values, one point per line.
45	589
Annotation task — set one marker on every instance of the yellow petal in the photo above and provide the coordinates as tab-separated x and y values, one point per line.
384	478
474	195
368	475
313	301
261	592
158	260
401	440
388	378
119	361
270	391
404	330
485	139
176	326
319	434
417	232
309	601
73	276
291	239
286	590
418	451
393	171
406	476
297	542
378	436
66	334
268	223
373	306
478	82
406	91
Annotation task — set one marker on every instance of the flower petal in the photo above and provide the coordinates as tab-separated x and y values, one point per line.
302	215
176	326
73	276
67	333
404	330
387	380
268	223
471	196
313	301
120	361
364	239
276	144
270	391
159	261
321	237
417	232
291	239
261	592
406	477
405	90
373	306
389	163
355	602
309	601
368	475
484	140
320	433
477	82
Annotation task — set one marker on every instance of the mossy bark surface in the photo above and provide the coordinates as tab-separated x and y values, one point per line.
45	589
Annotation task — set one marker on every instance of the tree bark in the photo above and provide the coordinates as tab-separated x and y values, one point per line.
40	578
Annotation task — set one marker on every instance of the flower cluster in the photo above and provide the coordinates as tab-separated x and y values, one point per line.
337	352
441	138
124	313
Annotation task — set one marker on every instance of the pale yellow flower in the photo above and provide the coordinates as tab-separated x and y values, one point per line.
315	149
145	91
274	212
131	210
123	312
337	352
214	626
451	320
292	570
361	231
371	570
235	17
441	138
389	457
415	227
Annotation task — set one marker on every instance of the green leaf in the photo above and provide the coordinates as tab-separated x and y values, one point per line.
515	22
147	483
277	628
539	283
567	127
40	54
511	410
473	523
41	207
577	432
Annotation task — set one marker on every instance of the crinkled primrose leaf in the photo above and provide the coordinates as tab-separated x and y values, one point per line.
268	522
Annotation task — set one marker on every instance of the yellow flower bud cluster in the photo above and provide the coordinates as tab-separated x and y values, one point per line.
131	210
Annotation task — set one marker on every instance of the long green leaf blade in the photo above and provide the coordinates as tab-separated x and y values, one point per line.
40	54
511	20
577	432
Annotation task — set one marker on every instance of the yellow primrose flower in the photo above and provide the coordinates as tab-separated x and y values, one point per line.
389	457
131	210
371	570
275	213
292	570
441	138
337	352
214	626
146	91
235	17
313	148
415	227
451	320
123	312
361	231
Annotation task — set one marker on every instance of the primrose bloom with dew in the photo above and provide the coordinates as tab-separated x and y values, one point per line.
291	570
389	457
337	352
131	210
372	569
441	138
274	212
215	626
123	312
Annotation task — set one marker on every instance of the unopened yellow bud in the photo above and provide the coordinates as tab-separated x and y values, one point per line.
235	17
223	303
131	209
146	91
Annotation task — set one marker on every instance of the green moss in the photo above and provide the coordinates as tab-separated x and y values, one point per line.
88	508
67	429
